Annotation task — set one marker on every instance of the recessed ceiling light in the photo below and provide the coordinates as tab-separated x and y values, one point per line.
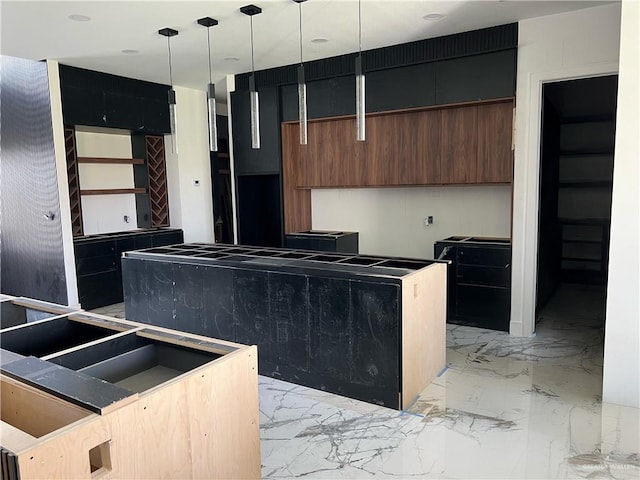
128	51
79	18
320	40
433	16
231	59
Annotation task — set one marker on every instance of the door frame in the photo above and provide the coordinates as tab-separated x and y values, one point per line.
526	188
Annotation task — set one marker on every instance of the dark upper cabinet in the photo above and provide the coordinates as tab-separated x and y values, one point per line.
103	100
266	159
124	111
156	115
403	87
478	77
83	106
329	97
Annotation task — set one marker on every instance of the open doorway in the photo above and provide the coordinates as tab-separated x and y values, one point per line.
576	180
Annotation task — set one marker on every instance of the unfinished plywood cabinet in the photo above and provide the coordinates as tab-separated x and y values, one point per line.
159	403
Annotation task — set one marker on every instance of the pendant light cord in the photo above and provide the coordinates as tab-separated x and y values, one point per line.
253	67
170	71
209	49
300	15
360	27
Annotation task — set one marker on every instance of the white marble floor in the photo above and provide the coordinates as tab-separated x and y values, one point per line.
504	408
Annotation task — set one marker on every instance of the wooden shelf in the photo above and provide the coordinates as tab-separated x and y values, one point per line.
585	153
587	119
120	161
112	191
596	184
588	242
582	259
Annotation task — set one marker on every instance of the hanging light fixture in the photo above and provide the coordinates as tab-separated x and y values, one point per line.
170	32
302	86
211	88
252	10
360	102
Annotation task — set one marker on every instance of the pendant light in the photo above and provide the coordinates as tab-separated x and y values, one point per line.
302	86
170	32
360	102
211	88
252	10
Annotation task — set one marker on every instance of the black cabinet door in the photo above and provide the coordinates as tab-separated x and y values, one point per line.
266	159
124	111
330	329
188	298
376	319
288	316
218	303
83	106
156	115
404	87
251	315
478	77
161	239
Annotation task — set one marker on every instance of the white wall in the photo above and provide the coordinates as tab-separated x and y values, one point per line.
571	45
622	335
390	221
106	213
190	206
63	183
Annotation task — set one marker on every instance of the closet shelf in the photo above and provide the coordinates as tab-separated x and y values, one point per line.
120	161
112	191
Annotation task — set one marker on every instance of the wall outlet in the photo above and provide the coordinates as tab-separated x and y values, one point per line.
428	221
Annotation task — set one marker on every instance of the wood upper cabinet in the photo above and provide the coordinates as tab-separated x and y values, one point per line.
495	157
459	145
465	144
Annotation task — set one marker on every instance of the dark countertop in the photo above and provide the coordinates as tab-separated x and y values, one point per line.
285	260
126	233
468	240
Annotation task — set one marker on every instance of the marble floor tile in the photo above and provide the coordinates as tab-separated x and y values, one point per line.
504	408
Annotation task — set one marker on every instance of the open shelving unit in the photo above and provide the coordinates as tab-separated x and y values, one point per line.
585	186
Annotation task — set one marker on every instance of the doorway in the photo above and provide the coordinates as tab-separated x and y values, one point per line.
576	182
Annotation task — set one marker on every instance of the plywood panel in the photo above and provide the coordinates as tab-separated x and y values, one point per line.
495	157
190	427
424	300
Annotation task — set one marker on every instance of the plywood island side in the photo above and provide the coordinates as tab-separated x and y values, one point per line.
88	396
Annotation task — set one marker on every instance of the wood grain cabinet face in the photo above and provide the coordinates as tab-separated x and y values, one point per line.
459	145
495	157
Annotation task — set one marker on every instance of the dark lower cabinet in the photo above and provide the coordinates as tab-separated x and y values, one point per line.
327	241
479	281
333	326
98	263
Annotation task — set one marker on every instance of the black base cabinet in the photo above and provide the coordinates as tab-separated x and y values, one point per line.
324	322
326	241
479	281
98	262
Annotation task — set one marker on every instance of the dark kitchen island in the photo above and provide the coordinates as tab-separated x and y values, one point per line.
370	328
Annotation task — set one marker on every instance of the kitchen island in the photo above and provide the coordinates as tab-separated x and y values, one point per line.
367	327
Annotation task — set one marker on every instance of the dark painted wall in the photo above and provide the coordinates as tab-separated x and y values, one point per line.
31	234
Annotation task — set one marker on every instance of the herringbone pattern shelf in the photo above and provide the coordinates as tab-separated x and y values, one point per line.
158	196
74	181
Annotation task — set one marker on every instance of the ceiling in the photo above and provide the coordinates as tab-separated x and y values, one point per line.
43	30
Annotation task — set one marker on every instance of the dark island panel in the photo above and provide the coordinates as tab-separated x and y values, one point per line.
319	322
